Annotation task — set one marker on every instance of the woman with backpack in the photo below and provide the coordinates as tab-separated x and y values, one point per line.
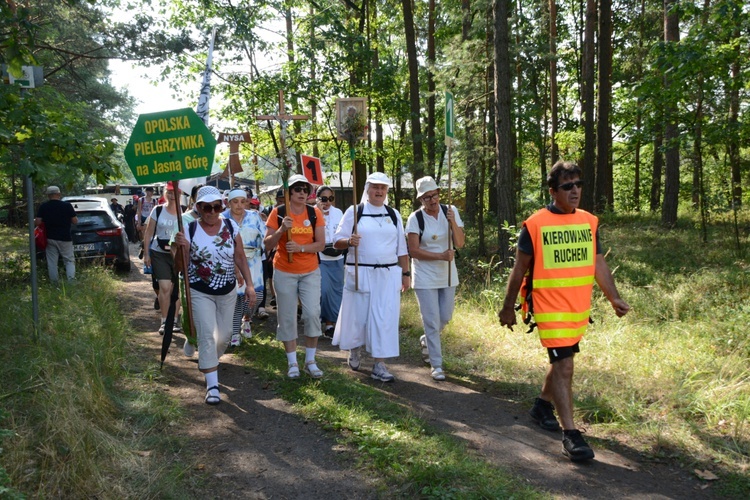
432	254
371	304
214	249
331	263
297	232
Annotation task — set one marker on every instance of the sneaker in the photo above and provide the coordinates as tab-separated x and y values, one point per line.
543	413
235	341
438	374
161	328
293	371
261	314
246	329
425	351
188	349
328	333
156	304
380	372
575	447
177	327
354	359
272	302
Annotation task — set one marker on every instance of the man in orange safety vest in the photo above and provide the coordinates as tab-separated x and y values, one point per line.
558	258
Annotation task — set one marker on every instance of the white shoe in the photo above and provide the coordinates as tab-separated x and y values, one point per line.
380	372
438	373
236	339
354	359
246	329
188	349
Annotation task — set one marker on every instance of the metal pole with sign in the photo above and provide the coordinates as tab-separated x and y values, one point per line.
449	136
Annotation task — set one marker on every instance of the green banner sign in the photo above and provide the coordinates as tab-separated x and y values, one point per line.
170	145
450	132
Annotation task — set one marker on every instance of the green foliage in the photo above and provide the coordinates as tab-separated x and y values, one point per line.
83	415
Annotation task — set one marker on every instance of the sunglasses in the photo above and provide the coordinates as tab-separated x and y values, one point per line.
569	185
326	199
207	209
301	189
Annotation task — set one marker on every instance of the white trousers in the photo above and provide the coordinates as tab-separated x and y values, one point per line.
436	307
212	315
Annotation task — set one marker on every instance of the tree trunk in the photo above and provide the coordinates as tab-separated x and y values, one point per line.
379	147
604	197
655	200
504	163
587	105
671	132
431	145
413	63
553	80
734	139
473	161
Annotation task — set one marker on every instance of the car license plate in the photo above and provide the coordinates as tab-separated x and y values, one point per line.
85	247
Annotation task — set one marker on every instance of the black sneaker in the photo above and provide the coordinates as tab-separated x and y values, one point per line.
329	332
543	413
575	447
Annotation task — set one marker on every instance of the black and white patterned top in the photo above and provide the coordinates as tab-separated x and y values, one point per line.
211	268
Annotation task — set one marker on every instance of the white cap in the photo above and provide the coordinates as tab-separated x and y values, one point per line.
378	178
208	194
299	179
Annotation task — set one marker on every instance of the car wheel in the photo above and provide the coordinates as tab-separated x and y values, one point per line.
122	267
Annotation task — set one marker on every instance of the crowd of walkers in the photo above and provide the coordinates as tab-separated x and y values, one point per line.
342	275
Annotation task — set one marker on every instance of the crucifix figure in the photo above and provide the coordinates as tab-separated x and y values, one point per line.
283	118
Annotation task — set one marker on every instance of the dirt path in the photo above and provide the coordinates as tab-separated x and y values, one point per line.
253	446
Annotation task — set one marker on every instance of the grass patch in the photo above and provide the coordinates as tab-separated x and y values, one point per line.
388	439
83	414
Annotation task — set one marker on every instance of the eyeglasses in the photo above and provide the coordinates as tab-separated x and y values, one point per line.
431	197
207	209
301	189
569	185
326	199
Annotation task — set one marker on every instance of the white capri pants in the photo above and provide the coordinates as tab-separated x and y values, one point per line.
212	315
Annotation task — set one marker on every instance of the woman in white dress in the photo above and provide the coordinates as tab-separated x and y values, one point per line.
331	263
432	260
370	311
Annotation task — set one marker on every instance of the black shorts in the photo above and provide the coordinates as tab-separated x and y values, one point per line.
558	353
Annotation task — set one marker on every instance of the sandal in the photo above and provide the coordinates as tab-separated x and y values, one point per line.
293	371
312	369
212	399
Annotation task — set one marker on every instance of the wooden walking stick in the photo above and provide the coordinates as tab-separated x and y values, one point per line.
449	135
351	124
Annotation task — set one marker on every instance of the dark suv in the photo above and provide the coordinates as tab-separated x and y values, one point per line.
99	234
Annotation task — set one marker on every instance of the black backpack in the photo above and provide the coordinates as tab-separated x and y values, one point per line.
390	212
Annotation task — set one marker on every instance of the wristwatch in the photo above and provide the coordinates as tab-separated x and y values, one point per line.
407	273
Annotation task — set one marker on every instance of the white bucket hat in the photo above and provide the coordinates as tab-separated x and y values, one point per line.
208	194
425	185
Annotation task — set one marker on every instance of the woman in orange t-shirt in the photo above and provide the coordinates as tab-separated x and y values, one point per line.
299	280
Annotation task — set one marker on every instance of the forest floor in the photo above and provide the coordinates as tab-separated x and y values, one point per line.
253	445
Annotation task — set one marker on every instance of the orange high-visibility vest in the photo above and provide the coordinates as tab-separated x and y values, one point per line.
563	274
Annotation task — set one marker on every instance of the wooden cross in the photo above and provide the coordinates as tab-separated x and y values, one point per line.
282	118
